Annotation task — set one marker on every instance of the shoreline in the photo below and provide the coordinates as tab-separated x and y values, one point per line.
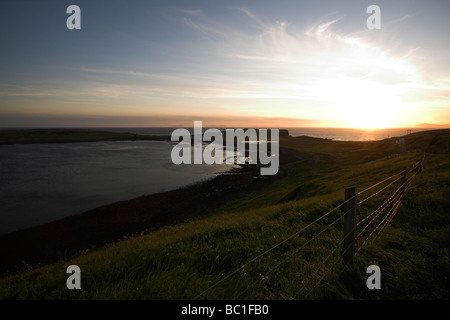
66	238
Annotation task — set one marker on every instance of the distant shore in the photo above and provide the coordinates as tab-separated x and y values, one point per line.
67	135
28	136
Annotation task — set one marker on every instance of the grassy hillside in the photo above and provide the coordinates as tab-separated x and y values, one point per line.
180	262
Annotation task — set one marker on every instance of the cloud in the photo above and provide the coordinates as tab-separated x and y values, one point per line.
320	28
273	63
190	12
253	17
42	119
401	19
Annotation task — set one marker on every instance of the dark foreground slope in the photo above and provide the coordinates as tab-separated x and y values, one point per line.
27	136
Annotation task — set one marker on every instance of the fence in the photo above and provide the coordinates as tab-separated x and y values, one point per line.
351	224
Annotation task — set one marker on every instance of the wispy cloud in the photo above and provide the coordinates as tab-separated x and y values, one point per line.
319	64
320	28
190	12
398	20
253	17
275	63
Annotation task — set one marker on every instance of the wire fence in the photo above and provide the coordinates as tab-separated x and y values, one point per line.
370	226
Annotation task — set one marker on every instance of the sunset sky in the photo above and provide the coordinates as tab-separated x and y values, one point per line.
227	63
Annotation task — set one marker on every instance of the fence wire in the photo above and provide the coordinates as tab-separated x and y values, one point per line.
394	201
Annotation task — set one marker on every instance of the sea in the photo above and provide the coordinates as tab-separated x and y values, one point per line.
40	183
338	134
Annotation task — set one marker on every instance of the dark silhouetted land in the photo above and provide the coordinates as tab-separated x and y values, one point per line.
14	136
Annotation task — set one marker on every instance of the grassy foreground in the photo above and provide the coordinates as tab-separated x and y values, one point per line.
180	262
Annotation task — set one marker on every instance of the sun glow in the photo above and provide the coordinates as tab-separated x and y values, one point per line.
366	88
365	104
345	79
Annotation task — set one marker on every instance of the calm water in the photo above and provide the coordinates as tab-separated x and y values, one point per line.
342	134
43	182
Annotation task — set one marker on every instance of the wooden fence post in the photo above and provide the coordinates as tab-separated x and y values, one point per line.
349	227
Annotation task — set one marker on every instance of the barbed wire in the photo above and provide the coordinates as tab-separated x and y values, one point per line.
272	248
414	167
330	268
287	258
394	206
395	210
396	196
383	206
389	216
390	213
378	183
381	190
321	265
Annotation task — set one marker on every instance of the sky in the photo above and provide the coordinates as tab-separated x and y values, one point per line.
227	63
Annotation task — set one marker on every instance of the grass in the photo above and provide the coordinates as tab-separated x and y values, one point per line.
180	262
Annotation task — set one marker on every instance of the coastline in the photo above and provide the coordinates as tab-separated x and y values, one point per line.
66	238
60	135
